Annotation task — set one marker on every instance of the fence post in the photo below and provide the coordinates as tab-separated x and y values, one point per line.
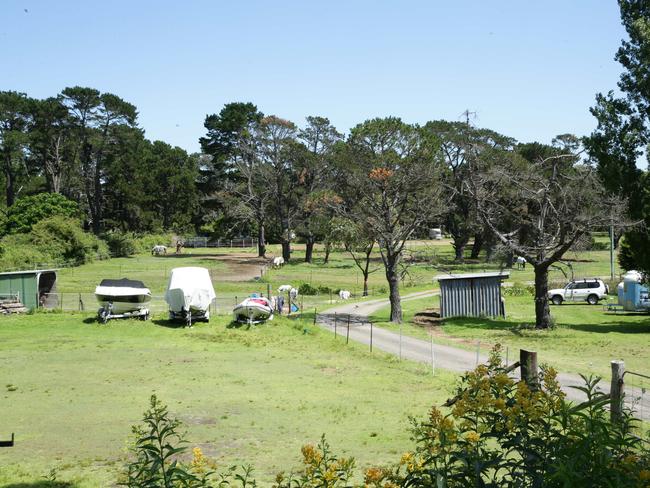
370	336
528	368
315	315
335	325
433	361
268	290
347	337
617	391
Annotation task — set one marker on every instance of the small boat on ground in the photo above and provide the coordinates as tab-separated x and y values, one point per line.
253	310
122	299
189	294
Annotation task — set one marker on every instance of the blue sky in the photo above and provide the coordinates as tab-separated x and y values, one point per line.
528	69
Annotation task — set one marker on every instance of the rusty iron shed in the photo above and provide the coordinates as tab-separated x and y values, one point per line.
472	294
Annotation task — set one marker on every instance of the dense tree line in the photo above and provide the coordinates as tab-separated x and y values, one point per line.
87	146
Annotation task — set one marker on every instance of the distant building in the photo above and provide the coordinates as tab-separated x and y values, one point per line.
472	295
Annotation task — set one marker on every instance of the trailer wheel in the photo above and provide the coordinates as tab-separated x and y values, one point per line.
102	315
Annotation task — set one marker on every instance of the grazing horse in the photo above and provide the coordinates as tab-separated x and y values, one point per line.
521	262
158	250
278	262
344	294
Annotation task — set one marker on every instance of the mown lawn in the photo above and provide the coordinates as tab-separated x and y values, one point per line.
71	389
584	340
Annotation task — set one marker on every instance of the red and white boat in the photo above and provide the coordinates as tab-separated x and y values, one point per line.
254	310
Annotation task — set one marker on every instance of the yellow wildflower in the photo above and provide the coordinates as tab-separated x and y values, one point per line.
472	437
373	475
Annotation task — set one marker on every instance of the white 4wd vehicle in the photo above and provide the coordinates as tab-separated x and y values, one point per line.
589	290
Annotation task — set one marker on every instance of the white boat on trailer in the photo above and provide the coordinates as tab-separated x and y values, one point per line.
253	310
189	294
123	298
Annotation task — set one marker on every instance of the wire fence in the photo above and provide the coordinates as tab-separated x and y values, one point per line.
223	304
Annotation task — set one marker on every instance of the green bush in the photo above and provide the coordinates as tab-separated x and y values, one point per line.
518	290
54	241
28	211
307	289
120	244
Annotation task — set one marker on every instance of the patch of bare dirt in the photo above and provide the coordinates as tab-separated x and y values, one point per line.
240	266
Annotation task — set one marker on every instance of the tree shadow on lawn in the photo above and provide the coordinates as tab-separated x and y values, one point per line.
518	327
614	326
485	323
42	484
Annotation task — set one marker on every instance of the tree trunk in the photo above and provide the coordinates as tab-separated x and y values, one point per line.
542	310
261	240
328	248
309	249
459	243
365	284
489	251
286	249
392	276
478	245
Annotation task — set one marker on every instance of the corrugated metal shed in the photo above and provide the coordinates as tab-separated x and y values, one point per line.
34	288
471	295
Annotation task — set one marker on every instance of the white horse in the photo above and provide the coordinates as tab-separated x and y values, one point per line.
521	262
344	294
158	250
293	293
285	288
278	262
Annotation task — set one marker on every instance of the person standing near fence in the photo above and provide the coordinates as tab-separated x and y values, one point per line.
280	303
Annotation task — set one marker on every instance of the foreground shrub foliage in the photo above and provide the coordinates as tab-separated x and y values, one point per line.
504	433
499	433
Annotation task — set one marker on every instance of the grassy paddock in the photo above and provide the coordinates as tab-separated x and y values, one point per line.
584	340
71	390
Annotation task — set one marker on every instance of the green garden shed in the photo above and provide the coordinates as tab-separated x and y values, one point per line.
34	288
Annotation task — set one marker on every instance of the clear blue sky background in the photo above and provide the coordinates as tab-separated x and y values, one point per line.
529	69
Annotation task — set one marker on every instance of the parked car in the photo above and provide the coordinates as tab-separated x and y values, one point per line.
589	290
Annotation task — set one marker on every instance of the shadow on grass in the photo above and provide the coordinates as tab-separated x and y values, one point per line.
620	327
170	324
42	484
518	327
91	320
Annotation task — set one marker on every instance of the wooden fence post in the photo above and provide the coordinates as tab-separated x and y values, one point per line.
617	391
347	337
370	336
528	365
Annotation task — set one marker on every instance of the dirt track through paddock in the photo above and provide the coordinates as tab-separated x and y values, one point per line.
239	266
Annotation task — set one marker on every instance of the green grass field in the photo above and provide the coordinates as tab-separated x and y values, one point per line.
71	390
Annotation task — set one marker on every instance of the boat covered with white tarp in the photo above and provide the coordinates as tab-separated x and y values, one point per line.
189	294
